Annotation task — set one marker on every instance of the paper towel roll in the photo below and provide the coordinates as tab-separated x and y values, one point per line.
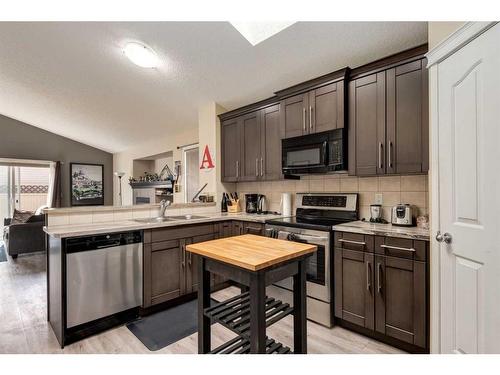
286	204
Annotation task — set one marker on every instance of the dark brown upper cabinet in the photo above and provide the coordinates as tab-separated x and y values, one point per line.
314	106
250	150
231	150
271	134
407	118
388	116
251	143
367	125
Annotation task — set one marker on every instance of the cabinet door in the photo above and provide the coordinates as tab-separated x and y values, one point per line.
192	263
238	228
254	228
367	125
326	108
225	229
293	115
162	271
354	291
407	119
271	135
231	150
400	299
250	151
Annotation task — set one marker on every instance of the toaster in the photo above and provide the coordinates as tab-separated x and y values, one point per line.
403	214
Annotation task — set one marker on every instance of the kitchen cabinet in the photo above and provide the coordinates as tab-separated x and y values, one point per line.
238	228
169	272
316	110
294	115
354	297
388	120
271	135
250	150
367	125
382	287
253	228
400	299
230	149
251	145
407	118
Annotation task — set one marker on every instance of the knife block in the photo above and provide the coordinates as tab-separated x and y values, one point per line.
234	207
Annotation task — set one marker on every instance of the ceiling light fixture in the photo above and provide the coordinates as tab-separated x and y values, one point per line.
141	55
256	32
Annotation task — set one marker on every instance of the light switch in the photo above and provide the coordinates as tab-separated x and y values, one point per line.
379	199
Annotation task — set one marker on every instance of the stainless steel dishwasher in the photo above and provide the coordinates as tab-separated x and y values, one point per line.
104	276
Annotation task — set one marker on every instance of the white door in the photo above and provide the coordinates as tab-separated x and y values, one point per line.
469	168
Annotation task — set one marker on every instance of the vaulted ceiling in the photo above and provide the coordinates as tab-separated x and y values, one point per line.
73	79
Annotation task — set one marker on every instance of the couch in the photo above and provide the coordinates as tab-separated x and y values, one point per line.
21	238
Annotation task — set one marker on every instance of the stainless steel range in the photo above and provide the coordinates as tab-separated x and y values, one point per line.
315	215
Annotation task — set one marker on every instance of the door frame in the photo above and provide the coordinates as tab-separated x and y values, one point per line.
450	45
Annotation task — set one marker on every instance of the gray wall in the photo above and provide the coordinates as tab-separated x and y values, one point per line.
19	140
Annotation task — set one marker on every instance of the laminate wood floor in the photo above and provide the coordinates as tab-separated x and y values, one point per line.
24	327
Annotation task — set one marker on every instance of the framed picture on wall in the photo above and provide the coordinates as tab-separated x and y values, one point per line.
87	184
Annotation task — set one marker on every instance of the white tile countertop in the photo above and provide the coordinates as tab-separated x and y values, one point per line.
365	227
63	231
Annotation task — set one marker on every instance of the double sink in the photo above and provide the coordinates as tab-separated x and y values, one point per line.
153	220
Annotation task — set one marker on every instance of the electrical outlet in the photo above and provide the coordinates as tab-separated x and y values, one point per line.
177	188
379	199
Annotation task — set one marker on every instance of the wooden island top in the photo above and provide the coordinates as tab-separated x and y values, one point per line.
250	251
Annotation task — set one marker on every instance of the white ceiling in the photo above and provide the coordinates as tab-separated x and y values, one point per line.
72	78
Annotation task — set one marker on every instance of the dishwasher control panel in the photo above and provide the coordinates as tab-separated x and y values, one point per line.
86	243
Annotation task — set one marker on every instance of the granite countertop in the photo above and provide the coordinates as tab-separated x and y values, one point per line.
74	230
365	227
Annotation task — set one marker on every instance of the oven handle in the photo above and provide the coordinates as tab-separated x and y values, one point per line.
306	237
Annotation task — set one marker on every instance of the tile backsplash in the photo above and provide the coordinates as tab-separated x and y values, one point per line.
412	189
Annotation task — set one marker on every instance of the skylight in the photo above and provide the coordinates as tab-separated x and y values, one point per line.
256	32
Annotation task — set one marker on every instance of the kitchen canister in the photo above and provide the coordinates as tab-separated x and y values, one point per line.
286	204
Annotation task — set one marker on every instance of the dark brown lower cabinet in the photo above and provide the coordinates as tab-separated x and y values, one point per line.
354	298
400	299
191	263
386	296
163	276
253	228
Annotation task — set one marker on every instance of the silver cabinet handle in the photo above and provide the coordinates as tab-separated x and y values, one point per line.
310	118
446	237
256	167
261	167
380	155
398	248
390	155
304	119
353	242
368	276
237	169
379	277
190	258
183	249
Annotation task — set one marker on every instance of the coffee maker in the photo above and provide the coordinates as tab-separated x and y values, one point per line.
254	203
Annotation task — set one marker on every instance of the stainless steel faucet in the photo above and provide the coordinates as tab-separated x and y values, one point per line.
163	206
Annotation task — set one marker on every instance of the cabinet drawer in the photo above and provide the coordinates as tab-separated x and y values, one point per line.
254	228
163	245
354	241
401	248
165	234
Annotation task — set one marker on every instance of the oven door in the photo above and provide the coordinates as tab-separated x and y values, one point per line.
300	157
317	266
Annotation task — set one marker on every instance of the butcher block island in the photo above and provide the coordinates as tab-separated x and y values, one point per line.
253	262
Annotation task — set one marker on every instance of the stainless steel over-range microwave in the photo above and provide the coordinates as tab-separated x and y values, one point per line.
315	153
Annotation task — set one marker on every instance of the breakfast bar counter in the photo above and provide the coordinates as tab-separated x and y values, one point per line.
254	262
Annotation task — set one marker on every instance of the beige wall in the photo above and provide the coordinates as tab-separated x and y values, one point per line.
124	161
394	190
438	31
